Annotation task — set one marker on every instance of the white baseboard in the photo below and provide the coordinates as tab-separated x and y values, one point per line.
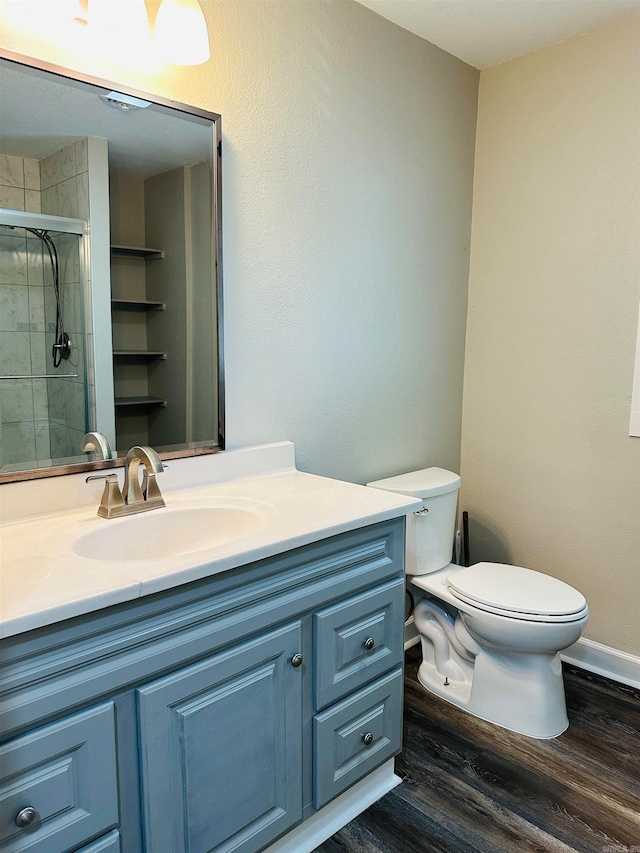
604	660
325	823
411	636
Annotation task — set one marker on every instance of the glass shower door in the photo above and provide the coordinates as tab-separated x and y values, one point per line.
44	386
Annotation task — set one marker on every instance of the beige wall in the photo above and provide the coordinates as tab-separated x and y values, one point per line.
347	182
551	478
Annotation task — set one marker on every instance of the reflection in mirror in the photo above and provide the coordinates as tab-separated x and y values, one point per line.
109	271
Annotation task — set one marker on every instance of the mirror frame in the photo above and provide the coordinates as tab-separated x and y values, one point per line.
216	119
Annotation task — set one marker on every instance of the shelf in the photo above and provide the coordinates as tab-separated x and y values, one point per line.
138	353
125	402
137	305
145	253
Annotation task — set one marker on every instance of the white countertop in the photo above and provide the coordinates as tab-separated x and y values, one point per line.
44	580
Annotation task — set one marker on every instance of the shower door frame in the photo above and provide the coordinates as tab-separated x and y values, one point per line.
80	227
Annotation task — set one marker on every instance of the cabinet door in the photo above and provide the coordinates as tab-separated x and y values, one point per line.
109	844
221	749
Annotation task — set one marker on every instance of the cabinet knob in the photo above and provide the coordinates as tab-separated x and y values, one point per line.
26	817
296	660
367	739
369	643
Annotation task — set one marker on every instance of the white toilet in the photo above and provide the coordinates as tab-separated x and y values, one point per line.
490	633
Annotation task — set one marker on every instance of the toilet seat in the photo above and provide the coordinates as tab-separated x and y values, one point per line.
517	593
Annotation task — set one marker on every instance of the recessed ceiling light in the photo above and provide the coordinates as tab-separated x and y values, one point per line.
124	102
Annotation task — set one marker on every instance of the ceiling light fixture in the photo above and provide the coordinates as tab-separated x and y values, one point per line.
180	34
122	26
124	102
80	10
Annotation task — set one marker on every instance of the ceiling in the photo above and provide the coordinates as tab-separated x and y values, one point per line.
488	32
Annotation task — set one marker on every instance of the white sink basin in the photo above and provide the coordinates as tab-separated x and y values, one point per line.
167	533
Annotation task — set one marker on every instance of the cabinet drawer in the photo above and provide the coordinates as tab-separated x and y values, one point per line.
355	736
357	640
66	771
108	844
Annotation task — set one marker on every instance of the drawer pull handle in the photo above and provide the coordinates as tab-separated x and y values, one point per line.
369	643
26	817
367	739
296	660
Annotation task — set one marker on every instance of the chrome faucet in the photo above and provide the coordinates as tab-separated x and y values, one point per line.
149	493
135	496
96	442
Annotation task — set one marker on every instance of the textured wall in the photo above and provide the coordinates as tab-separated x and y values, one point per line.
550	475
347	200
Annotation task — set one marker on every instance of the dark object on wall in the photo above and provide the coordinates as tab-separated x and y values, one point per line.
409	604
466	560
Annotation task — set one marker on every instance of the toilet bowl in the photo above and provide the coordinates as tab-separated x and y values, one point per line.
490	633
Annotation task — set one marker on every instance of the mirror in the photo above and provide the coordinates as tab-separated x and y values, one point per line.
110	271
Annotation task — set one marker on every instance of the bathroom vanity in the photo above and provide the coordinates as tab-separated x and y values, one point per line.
246	696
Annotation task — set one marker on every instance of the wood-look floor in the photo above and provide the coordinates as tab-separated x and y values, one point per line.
470	786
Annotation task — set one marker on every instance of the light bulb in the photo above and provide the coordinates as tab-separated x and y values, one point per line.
123	25
180	34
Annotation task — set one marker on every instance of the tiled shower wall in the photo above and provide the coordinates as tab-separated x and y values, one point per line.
64	181
41	419
67	397
24	424
20	183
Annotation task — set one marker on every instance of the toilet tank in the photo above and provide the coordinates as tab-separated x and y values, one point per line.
430	534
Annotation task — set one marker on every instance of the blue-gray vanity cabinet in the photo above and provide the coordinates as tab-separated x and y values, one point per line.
355	736
58	785
222	742
357	640
221	749
109	844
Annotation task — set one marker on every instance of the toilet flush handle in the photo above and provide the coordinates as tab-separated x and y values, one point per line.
422	511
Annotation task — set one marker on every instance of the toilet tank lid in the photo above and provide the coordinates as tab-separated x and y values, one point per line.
426	483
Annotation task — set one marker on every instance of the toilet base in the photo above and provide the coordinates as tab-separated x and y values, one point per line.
523	693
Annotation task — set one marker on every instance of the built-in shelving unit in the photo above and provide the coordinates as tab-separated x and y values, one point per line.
139	402
137	305
143	252
138	353
133	309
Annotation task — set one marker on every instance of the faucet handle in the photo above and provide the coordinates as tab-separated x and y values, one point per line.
150	489
112	503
